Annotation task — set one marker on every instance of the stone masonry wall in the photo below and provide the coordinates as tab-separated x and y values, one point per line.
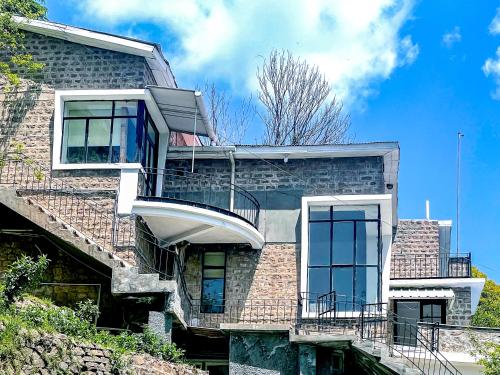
465	339
363	175
415	250
258	282
460	313
63	273
43	353
27	113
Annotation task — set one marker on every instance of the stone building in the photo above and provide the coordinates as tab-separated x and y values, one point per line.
254	259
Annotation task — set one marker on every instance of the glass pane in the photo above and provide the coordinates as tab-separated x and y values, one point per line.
342	281
73	147
355	212
427	310
343	243
214	259
366	287
98	140
133	146
126	108
151	131
115	142
88	109
319	213
318	283
319	244
213	273
367	243
213	296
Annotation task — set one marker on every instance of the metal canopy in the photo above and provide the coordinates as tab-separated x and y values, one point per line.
180	107
427	293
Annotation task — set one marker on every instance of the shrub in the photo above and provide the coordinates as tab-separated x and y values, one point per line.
24	275
87	310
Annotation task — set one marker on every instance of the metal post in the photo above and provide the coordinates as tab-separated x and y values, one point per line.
459	152
194	134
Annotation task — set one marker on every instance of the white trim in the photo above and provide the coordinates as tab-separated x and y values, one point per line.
427	293
154	58
475	284
126	94
385	203
202	216
293	152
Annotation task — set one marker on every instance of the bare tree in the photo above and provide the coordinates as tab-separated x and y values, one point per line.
229	125
298	105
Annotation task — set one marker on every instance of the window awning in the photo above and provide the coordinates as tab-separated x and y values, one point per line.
179	108
428	293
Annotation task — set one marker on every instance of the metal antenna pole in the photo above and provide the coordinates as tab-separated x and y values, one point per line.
459	152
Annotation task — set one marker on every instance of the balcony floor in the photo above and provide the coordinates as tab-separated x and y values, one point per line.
176	222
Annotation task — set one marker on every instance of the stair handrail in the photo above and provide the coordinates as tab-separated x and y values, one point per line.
387	321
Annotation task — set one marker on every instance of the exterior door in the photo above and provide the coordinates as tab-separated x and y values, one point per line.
405	328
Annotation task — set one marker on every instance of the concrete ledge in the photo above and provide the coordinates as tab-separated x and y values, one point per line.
255	327
321	338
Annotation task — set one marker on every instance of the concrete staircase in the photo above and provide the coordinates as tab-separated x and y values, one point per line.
43	218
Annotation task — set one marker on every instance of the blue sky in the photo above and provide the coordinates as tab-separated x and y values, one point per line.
412	71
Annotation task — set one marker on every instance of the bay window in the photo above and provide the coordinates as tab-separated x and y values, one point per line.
344	254
108	131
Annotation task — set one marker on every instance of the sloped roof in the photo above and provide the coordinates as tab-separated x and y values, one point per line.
416	236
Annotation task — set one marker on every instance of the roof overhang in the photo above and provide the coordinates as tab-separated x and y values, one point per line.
150	51
425	293
183	110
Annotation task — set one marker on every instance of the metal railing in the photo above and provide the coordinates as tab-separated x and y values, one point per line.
65	202
404	338
198	190
428	266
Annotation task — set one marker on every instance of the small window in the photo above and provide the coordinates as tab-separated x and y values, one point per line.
213	280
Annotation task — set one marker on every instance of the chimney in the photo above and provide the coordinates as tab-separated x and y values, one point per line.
427	210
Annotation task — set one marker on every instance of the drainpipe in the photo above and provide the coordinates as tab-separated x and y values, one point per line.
231	192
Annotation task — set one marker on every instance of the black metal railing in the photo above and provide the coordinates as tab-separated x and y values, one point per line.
429	266
198	190
244	311
405	338
65	202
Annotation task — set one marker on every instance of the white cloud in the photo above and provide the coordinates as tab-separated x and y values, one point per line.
356	43
454	36
495	23
491	68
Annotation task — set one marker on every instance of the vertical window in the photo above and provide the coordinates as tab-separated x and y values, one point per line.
344	254
213	280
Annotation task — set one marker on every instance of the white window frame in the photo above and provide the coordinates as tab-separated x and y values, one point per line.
61	96
385	203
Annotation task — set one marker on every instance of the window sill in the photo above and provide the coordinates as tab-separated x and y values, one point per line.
82	166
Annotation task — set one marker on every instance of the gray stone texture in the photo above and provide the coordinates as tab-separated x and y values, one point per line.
466	339
261	353
460	312
160	322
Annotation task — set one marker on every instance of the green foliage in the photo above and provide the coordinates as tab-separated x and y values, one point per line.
46	317
488	310
87	311
24	275
11	38
489	356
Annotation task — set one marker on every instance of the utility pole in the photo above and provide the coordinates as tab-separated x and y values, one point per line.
459	152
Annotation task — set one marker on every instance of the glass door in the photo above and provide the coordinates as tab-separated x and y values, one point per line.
405	328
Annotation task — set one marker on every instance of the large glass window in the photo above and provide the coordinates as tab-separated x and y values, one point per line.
344	254
108	132
213	280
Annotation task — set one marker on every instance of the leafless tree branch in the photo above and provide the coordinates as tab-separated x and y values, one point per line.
298	109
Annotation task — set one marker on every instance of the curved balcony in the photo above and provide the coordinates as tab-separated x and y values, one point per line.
179	205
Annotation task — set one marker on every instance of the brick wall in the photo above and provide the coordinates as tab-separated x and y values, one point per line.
460	312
